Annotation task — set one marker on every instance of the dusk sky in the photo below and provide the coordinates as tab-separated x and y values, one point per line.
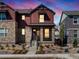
56	5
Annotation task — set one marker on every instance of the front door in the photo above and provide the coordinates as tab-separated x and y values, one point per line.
35	37
36	34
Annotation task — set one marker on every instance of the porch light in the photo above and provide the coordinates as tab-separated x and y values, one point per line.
34	30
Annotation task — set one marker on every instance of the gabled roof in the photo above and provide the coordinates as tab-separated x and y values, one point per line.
42	6
29	11
71	12
24	11
6	5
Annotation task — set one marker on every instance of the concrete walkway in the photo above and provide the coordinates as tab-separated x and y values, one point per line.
32	50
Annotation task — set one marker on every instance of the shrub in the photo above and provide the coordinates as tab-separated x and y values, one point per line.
75	43
40	50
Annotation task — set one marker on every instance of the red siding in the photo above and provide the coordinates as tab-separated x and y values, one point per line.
35	17
27	20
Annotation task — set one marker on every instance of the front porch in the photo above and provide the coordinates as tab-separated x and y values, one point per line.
43	34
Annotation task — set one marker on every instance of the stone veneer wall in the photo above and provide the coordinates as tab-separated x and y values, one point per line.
28	35
53	35
41	34
10	37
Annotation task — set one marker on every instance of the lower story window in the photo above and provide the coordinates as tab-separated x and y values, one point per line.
23	31
75	33
3	32
46	33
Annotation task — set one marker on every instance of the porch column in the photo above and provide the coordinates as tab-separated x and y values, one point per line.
41	34
28	35
53	34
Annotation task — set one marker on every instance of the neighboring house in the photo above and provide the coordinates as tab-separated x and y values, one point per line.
7	24
69	26
25	25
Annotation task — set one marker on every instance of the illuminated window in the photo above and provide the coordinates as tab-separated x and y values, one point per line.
23	17
41	18
46	33
23	31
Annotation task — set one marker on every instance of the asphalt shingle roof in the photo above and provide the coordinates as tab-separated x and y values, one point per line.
71	12
24	10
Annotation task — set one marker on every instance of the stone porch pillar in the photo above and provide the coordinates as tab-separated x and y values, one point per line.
41	34
53	34
28	35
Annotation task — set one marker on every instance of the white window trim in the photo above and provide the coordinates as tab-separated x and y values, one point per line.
75	33
77	21
5	32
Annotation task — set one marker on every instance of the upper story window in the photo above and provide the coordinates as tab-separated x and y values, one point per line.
41	18
3	16
23	17
76	20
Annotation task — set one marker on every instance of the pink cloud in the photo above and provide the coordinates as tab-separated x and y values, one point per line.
25	5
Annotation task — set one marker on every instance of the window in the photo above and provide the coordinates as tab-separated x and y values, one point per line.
46	31
75	33
76	20
3	16
3	32
41	18
23	17
23	31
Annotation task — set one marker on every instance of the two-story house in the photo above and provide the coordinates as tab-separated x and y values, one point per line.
36	24
26	25
69	26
